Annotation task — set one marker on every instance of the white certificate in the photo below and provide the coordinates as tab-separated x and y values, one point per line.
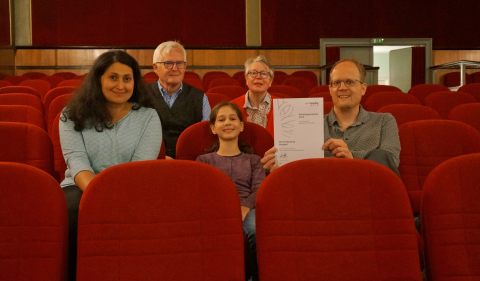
298	129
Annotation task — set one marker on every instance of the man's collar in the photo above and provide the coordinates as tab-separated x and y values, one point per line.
164	91
362	117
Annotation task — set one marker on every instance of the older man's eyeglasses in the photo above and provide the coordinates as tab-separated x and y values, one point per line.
347	82
254	74
169	64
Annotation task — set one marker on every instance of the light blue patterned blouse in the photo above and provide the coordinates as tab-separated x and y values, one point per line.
135	137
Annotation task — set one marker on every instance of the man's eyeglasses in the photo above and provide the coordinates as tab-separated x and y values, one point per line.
254	74
347	82
169	64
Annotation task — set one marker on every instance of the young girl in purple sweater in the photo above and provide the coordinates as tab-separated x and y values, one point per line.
235	160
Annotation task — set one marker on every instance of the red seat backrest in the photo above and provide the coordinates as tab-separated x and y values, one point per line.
34	235
214	98
472	89
223	82
302	84
468	113
159	230
198	137
316	222
20	90
381	99
444	102
404	113
450	219
27	144
23	114
34	75
232	92
319	89
57	105
372	89
285	89
209	76
53	80
424	90
325	95
15	80
53	94
426	144
41	86
22	99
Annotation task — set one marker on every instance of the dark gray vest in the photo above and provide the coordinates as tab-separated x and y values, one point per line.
186	111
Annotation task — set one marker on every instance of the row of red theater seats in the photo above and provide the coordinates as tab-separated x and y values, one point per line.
314	222
467	113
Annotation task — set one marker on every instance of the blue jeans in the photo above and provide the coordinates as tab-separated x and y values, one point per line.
250	232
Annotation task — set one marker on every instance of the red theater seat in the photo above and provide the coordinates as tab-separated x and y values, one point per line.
59	160
22	99
319	89
404	113
232	92
4	83
191	75
198	137
302	84
289	90
325	95
381	99
327	107
22	114
53	80
27	144
424	90
66	75
15	80
20	89
171	226
73	82
426	144
240	77
280	95
223	82
53	94
41	86
307	74
450	220
193	82
316	222
452	79
34	226
57	105
214	99
34	75
209	76
373	89
444	102
467	113
472	89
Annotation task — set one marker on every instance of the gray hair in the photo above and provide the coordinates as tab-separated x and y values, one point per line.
167	47
359	65
261	59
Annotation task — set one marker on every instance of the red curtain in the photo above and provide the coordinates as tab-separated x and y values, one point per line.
418	65
332	55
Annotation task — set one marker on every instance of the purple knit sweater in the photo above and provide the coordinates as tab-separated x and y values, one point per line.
245	170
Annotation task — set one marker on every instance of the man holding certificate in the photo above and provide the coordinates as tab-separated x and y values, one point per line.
349	130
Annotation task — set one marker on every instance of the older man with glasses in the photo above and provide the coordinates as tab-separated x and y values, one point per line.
349	130
179	104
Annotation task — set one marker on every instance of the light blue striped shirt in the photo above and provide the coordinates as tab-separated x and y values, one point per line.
135	137
170	100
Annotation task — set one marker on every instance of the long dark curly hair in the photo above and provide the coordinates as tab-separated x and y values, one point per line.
88	106
245	148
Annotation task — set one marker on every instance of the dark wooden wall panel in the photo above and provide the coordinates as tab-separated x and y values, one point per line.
138	23
301	23
4	23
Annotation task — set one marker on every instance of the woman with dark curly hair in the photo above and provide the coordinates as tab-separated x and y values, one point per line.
110	120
